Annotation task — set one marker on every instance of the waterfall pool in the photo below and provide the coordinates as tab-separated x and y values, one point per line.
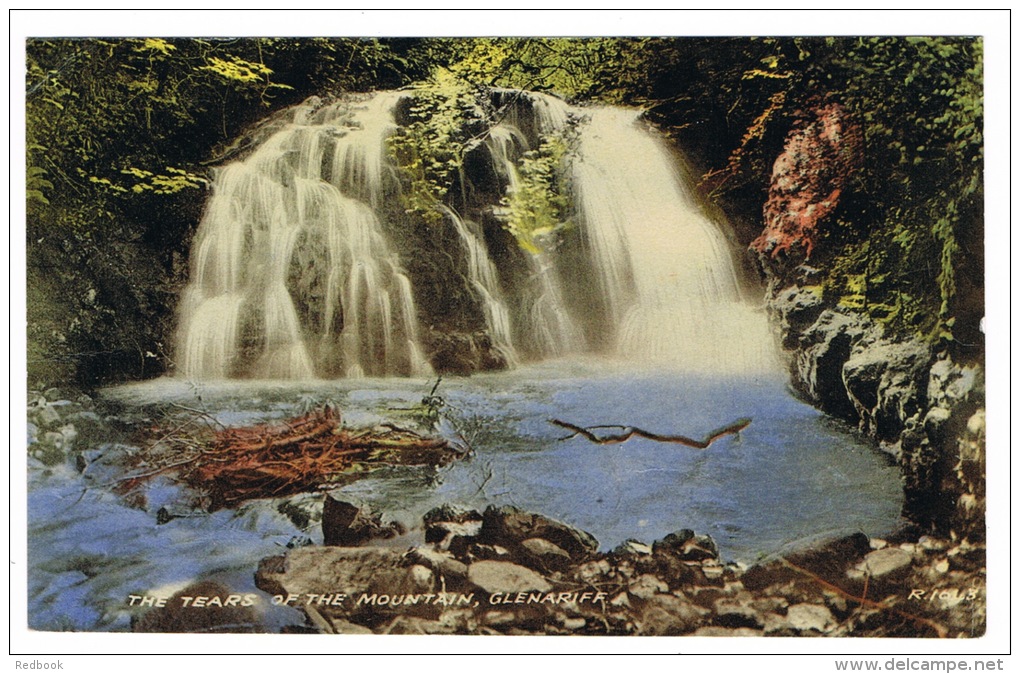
791	477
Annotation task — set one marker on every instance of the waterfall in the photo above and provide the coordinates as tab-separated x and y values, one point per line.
292	274
301	266
664	271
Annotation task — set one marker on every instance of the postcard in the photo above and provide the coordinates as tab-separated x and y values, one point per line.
542	336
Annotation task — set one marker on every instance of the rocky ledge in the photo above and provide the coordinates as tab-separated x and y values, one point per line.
506	571
922	407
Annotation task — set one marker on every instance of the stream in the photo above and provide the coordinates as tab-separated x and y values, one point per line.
792	477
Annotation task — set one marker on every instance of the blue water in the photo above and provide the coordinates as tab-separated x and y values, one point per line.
790	478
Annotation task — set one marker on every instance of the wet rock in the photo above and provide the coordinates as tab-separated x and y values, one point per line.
794	309
510	527
810	618
462	353
495	576
171	512
347	525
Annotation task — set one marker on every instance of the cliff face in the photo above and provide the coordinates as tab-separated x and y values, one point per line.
922	408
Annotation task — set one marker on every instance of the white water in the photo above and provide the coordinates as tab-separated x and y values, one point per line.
294	275
664	269
291	262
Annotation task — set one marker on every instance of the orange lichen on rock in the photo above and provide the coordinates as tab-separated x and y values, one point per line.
808	179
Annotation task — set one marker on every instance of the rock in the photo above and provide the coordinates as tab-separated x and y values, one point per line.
810	617
715	631
421	578
546	555
818	367
828	560
321	569
341	626
510	526
632	547
174	511
881	564
647	586
298	542
794	309
441	562
444	523
573	624
593	572
886	382
673	541
687	546
207	611
462	353
47	415
736	613
668	615
347	525
494	576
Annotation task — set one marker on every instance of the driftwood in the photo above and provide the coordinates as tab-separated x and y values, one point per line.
303	454
632	431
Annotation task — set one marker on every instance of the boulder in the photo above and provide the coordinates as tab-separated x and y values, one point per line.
817	370
510	527
886	382
347	525
882	564
506	577
446	522
320	569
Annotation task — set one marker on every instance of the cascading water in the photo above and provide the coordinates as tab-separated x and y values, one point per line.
291	264
294	275
664	272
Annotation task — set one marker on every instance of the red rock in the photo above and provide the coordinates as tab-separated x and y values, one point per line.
808	179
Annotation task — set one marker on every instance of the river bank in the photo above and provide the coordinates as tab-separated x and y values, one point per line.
506	571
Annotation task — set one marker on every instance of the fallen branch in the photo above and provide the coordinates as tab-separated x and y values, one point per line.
632	431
